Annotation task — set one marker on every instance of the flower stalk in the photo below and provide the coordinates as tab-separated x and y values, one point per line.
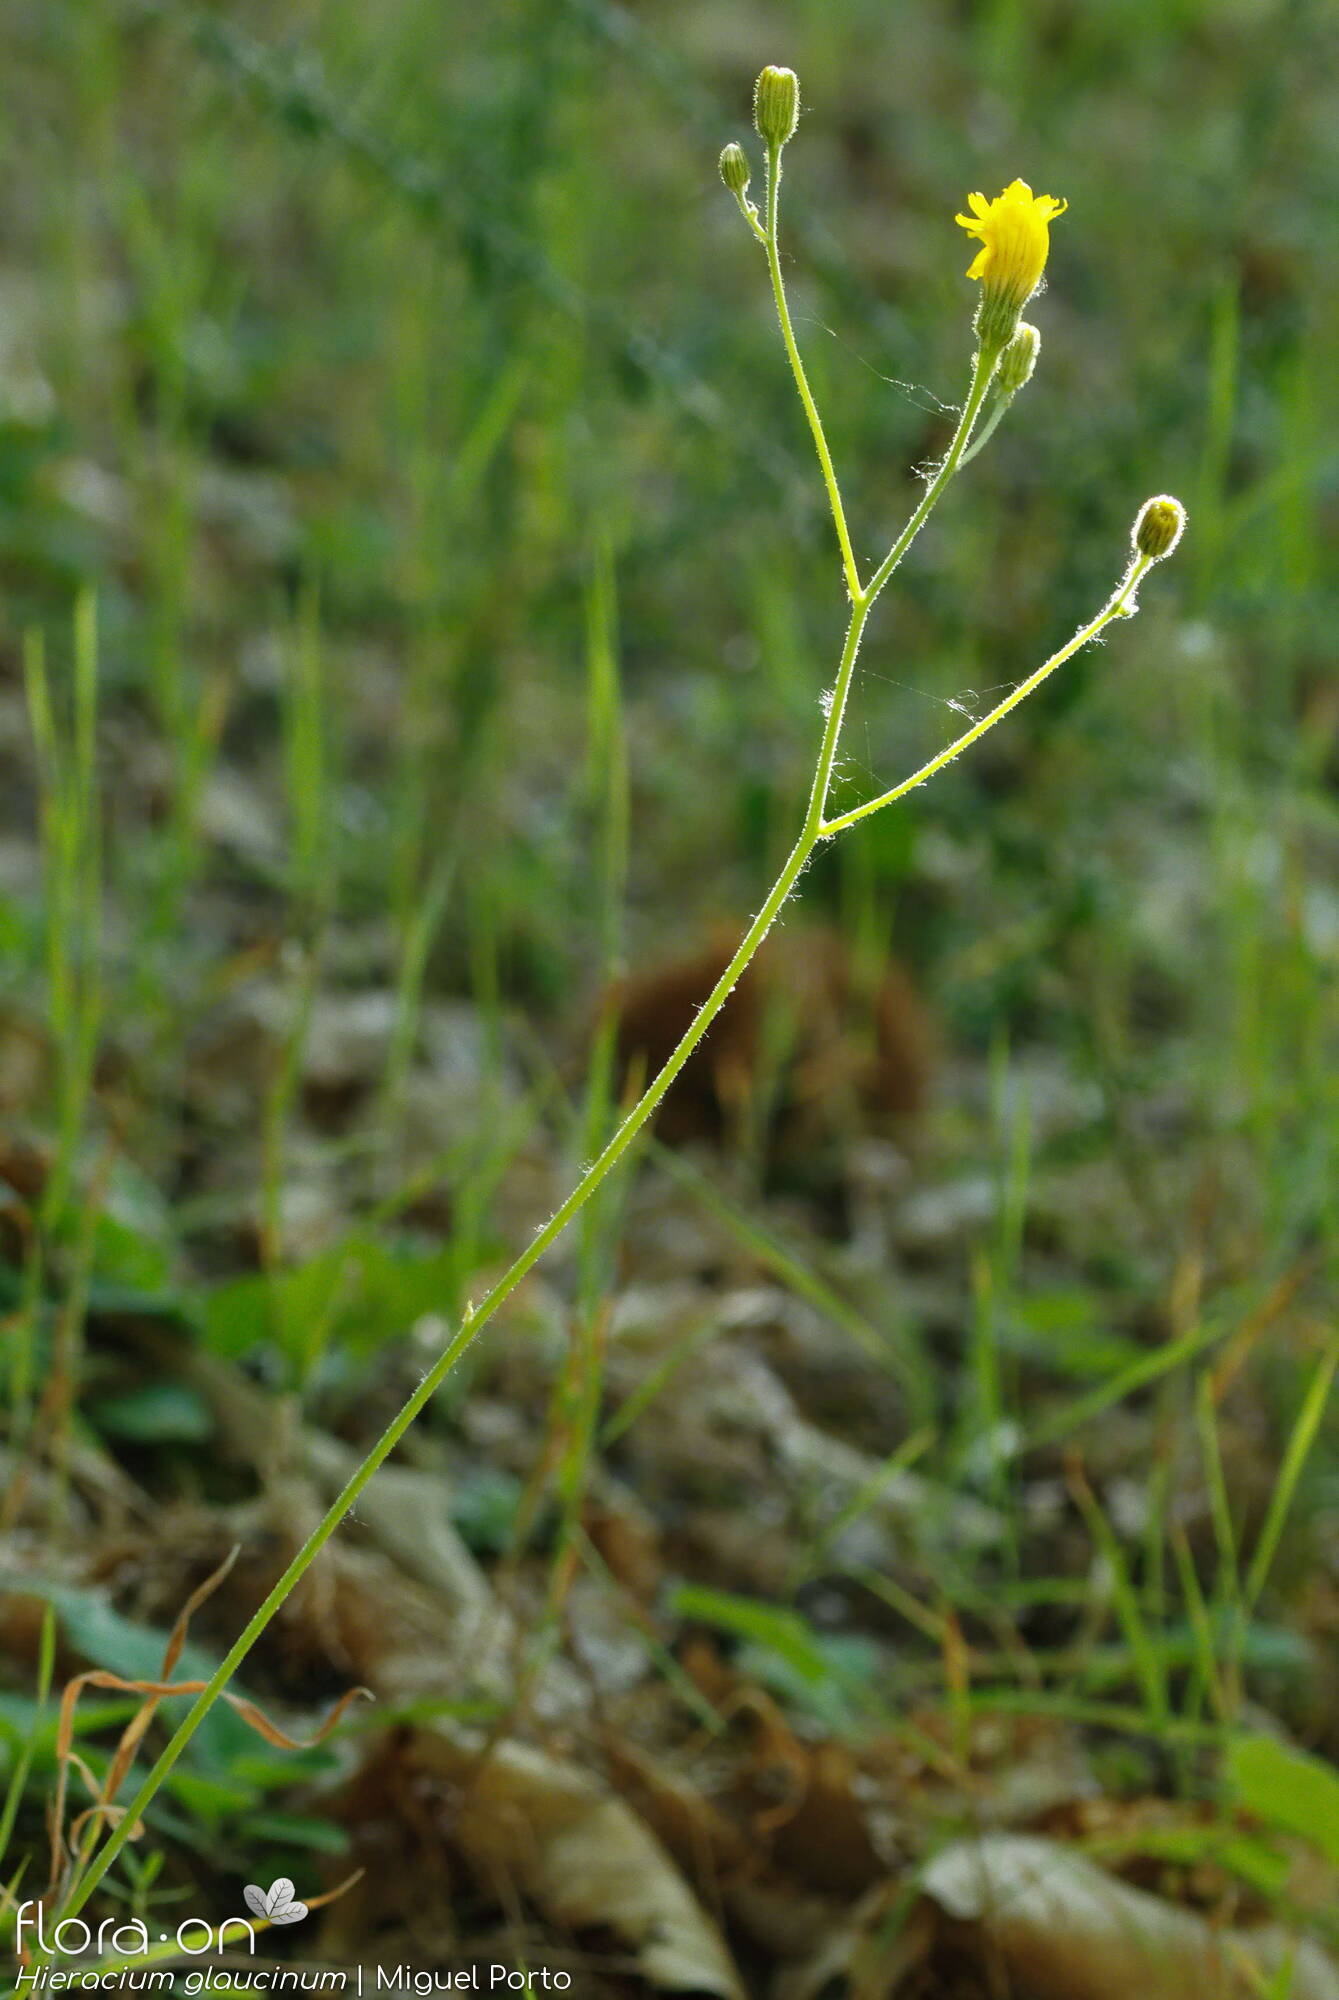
770	239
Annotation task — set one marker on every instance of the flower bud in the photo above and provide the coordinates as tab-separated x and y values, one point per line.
776	105
735	170
1019	359
1159	526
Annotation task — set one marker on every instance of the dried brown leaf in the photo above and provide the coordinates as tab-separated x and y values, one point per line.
531	1824
1037	1918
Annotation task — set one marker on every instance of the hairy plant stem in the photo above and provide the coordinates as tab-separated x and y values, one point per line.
1119	605
476	1318
770	241
814	829
811	833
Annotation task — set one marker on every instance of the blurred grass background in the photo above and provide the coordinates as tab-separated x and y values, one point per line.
380	372
414	581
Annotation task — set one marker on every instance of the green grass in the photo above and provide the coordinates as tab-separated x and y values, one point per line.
392	419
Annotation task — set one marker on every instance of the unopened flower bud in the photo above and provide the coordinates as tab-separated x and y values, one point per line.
1159	526
776	105
1019	359
735	170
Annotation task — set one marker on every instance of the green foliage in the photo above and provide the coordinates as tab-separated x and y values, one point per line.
357	1296
1286	1789
154	1413
783	1633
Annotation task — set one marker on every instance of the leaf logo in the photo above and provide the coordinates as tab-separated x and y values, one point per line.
278	1905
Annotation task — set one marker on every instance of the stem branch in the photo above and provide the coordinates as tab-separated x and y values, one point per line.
1115	607
983	367
801	379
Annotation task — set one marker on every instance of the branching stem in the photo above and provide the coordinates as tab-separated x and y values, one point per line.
1116	606
814	829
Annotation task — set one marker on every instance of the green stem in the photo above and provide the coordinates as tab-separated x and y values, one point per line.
987	430
827	755
982	369
475	1319
813	830
818	797
1115	607
801	379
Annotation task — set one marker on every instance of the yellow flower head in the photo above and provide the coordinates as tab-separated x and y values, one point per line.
1014	231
